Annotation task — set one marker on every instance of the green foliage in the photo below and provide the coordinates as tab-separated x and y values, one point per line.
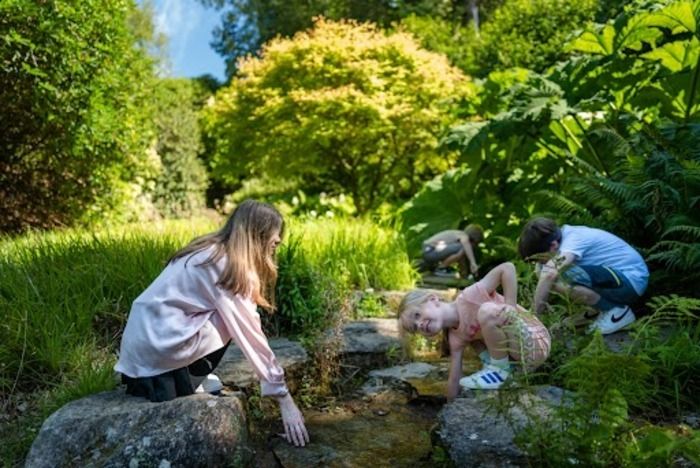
654	376
527	33
370	305
455	40
327	258
606	138
591	426
75	114
179	188
343	107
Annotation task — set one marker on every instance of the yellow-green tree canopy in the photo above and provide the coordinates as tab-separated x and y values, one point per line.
343	107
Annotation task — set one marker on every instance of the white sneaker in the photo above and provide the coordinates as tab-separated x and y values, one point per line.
210	384
613	320
488	378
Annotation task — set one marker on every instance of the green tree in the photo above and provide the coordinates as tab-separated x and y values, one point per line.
343	107
179	188
530	33
74	109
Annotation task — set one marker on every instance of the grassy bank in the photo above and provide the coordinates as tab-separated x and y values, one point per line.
65	297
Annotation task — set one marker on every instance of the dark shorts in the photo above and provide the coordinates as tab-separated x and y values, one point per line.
174	383
434	254
609	283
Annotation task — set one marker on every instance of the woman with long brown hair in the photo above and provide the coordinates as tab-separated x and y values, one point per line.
180	326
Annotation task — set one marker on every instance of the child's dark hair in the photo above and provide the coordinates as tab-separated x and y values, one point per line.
475	233
536	237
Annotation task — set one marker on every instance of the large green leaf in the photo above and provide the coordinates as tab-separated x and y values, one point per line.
679	17
635	33
595	42
441	204
676	56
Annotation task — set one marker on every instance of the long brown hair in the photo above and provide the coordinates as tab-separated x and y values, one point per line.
244	241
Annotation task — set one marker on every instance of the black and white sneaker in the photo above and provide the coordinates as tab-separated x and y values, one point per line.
613	320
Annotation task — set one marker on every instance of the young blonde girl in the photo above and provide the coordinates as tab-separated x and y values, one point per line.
494	324
180	326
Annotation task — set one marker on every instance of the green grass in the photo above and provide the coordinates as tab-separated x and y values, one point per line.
358	251
65	297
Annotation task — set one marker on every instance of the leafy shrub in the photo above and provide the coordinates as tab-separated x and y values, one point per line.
343	107
75	112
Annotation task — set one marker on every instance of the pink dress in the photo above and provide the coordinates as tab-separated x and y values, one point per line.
534	339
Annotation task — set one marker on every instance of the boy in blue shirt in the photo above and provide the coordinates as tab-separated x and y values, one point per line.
591	265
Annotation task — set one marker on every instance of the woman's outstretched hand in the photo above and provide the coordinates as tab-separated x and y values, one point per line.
294	428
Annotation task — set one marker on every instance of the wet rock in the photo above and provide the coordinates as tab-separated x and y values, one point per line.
235	370
474	435
397	378
112	429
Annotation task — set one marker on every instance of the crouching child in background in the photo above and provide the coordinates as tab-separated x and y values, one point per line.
498	328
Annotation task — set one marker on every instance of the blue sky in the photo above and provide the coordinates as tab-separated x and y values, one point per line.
188	26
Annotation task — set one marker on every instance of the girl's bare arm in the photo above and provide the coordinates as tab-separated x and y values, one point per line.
503	275
455	373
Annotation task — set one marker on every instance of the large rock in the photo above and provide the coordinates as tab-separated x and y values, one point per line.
112	429
474	435
370	336
235	370
368	343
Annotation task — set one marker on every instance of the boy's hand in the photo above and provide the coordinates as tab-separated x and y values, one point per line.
474	268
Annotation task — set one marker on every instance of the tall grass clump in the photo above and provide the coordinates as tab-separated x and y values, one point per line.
64	298
358	251
323	260
64	290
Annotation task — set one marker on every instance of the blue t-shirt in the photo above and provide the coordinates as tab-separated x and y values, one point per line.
593	246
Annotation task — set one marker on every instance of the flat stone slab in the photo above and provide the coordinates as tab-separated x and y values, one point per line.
413	370
235	370
112	429
370	336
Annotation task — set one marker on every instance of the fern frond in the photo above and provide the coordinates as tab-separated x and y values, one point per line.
566	206
684	231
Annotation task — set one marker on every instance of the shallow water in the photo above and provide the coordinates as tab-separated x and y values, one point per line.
390	428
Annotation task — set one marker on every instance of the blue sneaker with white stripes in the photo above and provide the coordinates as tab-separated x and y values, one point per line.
488	378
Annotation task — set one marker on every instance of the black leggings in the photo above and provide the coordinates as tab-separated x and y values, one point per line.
173	383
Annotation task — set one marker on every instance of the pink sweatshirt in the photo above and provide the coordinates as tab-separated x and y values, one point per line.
183	316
